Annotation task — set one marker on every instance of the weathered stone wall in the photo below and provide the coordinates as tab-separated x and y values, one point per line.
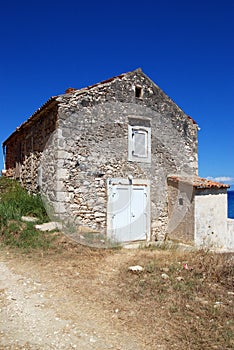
91	146
78	153
24	148
181	212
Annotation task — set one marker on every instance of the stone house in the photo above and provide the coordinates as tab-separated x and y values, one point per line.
101	156
197	212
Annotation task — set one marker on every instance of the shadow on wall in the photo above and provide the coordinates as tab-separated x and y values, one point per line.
230	204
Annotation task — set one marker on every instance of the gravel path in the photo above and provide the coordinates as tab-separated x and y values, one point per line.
31	310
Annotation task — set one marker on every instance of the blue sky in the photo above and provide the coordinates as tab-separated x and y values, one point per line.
185	47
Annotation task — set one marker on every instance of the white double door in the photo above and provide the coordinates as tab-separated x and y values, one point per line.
128	210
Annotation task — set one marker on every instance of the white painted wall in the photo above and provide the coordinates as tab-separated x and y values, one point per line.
230	235
211	219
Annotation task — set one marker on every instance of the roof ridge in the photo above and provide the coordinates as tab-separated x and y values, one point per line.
108	80
196	181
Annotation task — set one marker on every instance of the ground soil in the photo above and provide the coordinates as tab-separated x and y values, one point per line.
74	297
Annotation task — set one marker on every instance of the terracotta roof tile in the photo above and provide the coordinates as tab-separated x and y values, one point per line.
197	182
32	117
194	122
54	99
69	90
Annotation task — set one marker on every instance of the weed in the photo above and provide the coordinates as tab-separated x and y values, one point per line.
150	267
197	297
16	202
173	309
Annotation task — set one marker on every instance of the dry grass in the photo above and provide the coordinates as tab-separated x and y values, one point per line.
192	309
180	301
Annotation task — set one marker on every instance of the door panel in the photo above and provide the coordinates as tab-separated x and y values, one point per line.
138	229
128	212
121	212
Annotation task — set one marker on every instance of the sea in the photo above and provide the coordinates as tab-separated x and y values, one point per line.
231	204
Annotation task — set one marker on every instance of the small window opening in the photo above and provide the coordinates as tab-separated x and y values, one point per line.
139	143
138	91
181	202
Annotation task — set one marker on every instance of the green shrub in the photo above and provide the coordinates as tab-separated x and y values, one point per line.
16	202
24	235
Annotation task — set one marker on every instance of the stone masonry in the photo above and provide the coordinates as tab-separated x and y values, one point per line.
75	143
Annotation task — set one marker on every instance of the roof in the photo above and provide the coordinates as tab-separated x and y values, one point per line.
69	90
35	115
197	182
55	100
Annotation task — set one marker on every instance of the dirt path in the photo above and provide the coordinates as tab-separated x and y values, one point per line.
73	297
63	302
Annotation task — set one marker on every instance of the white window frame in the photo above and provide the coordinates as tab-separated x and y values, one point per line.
132	156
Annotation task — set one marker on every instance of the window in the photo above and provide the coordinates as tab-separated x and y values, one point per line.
138	91
139	140
139	143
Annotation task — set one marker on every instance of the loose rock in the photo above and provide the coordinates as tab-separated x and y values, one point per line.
136	268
